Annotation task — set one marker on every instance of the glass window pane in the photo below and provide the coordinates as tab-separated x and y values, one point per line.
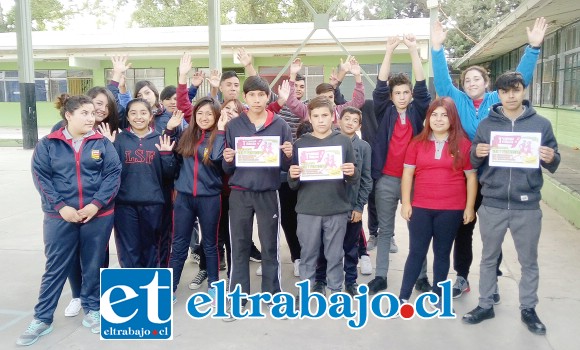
58	73
41	89
12	91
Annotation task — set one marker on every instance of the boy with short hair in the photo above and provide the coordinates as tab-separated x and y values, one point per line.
511	199
323	205
358	193
326	90
400	115
255	189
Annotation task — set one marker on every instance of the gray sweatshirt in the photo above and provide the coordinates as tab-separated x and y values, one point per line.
324	197
513	188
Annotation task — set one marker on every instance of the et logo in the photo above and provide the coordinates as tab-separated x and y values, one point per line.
136	304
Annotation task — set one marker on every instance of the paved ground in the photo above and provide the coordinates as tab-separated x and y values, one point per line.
21	253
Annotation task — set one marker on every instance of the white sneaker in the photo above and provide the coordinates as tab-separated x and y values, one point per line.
73	308
259	270
297	268
366	268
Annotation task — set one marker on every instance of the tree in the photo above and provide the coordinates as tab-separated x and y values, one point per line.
460	14
46	14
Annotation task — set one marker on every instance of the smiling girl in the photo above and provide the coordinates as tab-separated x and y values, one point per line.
77	173
147	161
198	187
444	190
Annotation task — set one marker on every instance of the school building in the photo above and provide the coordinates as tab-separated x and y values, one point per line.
73	62
555	88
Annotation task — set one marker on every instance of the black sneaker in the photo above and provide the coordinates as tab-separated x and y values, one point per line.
422	285
255	254
377	284
478	315
496	297
531	319
352	289
319	287
222	265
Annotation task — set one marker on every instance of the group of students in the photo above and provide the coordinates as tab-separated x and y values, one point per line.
155	167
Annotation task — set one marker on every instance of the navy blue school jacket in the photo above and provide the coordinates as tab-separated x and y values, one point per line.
261	178
65	177
144	168
200	179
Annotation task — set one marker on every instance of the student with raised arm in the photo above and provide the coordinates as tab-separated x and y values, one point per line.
473	105
400	115
326	90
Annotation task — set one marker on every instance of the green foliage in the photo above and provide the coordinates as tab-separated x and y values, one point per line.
46	14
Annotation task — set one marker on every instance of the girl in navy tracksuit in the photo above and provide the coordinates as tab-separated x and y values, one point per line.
147	160
198	186
162	123
77	173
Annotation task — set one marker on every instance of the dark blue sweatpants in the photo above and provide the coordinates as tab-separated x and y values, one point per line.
185	210
136	230
62	239
427	224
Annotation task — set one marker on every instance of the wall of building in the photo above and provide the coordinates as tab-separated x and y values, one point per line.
47	115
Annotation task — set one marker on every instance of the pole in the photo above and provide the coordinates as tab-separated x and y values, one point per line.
214	20
26	74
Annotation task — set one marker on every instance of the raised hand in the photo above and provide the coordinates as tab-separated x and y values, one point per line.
120	66
214	78
221	124
105	130
410	41
536	34
184	67
244	57
165	144
197	78
355	67
392	43
333	80
296	66
283	92
438	35
175	120
345	66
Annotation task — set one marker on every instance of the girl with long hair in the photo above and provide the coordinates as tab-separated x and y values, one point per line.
444	183
198	187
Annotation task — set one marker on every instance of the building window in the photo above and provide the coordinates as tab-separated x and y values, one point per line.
133	75
569	73
48	84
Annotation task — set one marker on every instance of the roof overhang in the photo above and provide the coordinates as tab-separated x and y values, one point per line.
260	39
510	33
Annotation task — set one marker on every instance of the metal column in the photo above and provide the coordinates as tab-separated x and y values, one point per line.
26	74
